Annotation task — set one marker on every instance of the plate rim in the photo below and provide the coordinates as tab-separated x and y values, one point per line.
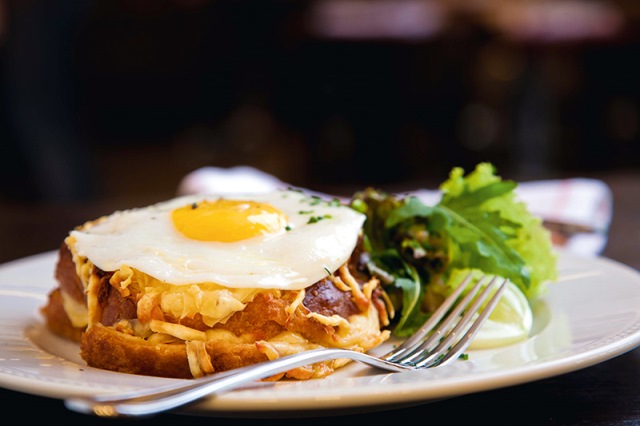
409	393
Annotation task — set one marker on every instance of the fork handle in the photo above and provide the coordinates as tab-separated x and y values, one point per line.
173	396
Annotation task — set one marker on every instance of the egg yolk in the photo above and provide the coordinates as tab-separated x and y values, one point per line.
227	220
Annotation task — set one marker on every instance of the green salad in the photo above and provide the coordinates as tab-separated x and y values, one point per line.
422	252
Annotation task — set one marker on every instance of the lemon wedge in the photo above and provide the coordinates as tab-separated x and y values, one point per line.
510	322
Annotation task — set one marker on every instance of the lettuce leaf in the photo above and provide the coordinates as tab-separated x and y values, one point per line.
477	224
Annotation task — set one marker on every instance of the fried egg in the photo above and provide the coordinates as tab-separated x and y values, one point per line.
283	239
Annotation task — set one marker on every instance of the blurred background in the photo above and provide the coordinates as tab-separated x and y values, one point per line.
107	104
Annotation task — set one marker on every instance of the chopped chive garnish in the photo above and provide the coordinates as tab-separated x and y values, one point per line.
316	219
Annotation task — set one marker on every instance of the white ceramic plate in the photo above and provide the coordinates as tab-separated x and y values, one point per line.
590	315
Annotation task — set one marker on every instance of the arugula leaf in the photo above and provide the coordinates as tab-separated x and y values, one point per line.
528	258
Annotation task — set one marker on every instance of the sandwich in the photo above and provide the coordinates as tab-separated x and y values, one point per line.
201	284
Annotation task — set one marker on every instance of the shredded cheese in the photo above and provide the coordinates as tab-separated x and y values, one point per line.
76	311
337	281
198	358
121	279
332	321
192	358
361	301
297	302
180	331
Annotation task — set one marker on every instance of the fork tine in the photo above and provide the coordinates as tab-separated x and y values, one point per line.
428	344
444	353
416	339
464	342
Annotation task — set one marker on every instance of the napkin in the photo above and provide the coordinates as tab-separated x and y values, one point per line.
218	180
577	211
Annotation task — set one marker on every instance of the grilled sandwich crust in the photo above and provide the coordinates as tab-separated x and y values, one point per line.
272	324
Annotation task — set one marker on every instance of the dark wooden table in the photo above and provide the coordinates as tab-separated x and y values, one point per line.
604	394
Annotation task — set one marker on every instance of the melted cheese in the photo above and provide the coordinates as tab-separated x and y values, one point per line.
76	311
215	304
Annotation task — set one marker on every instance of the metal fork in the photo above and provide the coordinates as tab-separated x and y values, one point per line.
429	347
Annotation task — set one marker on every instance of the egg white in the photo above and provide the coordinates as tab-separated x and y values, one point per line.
146	239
